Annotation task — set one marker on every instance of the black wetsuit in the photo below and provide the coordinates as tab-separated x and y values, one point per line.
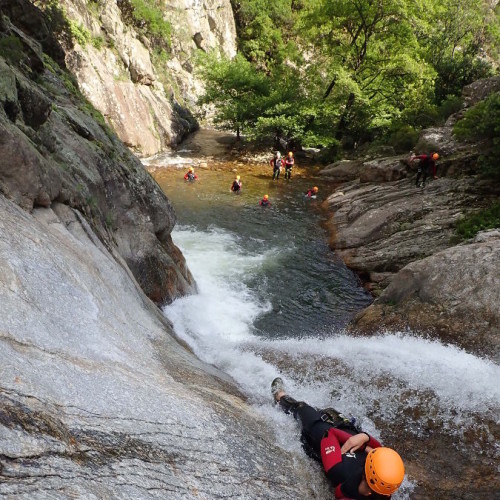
344	471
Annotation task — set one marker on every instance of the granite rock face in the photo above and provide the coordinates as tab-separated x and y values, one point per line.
54	147
98	399
147	100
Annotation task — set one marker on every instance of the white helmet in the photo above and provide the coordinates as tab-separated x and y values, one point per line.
278	154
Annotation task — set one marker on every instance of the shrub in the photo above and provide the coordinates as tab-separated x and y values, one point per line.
403	138
11	48
482	122
471	224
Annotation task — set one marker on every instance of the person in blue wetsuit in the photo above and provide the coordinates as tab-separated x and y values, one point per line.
356	463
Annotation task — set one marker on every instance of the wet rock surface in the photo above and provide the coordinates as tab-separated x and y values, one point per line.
97	398
401	240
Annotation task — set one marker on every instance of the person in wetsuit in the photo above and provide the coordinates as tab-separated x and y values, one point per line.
190	175
312	192
289	162
355	462
426	167
236	185
265	201
276	162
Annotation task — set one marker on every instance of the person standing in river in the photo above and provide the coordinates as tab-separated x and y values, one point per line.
277	163
426	167
289	162
355	462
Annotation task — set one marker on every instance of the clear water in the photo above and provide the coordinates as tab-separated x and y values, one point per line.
273	300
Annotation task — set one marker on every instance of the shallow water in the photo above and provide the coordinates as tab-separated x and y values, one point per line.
273	299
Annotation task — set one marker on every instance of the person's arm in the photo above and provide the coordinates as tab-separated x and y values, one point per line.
360	441
330	449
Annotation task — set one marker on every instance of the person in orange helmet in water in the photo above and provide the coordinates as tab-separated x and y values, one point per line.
311	193
426	167
190	175
265	201
355	463
289	162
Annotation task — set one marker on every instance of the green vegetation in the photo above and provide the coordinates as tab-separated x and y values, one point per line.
341	73
470	225
12	49
482	122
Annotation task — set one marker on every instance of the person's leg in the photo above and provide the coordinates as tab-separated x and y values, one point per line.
313	426
424	178
419	174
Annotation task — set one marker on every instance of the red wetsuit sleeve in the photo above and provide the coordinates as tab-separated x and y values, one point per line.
330	447
372	442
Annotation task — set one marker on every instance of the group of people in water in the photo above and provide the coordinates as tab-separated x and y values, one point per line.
278	163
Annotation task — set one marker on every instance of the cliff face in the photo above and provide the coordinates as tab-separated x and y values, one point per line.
52	149
98	400
146	104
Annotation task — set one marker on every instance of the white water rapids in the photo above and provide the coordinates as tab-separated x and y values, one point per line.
380	380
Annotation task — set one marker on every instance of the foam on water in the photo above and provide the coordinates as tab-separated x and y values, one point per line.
352	372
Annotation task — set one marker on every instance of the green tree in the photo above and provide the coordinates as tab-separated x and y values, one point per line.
455	36
235	89
482	123
265	31
370	60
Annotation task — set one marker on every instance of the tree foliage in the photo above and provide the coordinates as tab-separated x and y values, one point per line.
482	122
322	72
235	88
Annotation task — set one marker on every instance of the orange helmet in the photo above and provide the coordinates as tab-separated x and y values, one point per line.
315	189
384	470
435	156
266	197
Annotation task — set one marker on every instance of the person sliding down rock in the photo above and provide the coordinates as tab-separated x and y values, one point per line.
357	464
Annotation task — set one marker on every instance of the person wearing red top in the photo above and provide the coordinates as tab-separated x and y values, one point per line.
277	163
265	201
426	167
356	463
190	175
289	162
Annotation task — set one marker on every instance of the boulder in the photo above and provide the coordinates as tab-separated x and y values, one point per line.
453	294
